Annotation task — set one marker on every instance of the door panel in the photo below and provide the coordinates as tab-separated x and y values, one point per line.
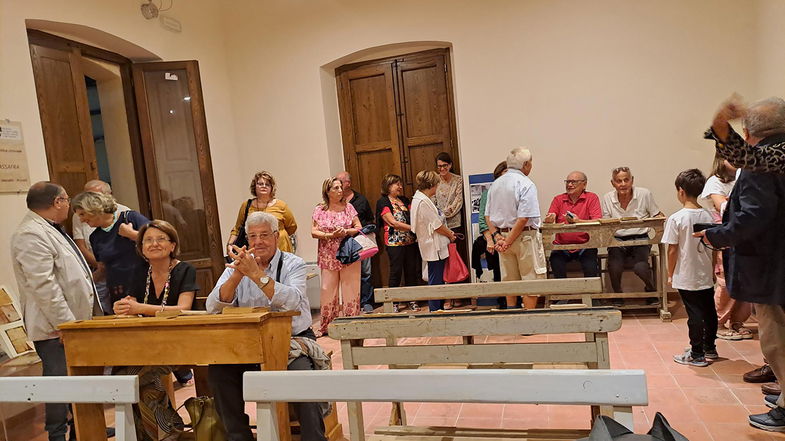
65	117
177	155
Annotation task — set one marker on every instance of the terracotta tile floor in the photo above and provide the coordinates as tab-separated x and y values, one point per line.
704	404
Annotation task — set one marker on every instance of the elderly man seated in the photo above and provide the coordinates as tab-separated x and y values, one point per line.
627	200
265	276
575	205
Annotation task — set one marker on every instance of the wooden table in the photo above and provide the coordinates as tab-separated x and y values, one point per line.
592	351
603	235
90	345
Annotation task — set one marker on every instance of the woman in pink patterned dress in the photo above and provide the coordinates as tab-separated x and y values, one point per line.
333	220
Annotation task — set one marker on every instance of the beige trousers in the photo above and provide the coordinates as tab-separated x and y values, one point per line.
524	260
771	330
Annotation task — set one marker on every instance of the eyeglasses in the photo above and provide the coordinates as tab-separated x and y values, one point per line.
618	170
262	236
442	165
574	181
66	199
155	240
263	184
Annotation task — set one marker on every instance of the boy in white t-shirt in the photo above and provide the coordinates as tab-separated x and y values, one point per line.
690	270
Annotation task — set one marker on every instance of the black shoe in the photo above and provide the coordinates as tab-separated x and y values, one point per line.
773	420
110	432
771	401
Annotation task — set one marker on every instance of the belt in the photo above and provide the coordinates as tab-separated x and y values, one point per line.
527	228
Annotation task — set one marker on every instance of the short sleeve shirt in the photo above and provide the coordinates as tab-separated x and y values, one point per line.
587	207
694	270
182	279
329	221
641	206
118	253
714	186
511	197
83	231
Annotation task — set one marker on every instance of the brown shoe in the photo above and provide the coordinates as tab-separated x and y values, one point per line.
771	388
763	374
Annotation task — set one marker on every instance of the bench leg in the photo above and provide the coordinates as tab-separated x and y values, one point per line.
623	415
125	430
356	423
266	422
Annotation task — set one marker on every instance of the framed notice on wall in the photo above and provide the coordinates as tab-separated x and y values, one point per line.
14	174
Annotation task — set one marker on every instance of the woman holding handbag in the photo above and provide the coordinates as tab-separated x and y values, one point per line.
263	191
333	220
433	236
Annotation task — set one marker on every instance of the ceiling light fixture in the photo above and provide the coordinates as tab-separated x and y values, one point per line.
149	10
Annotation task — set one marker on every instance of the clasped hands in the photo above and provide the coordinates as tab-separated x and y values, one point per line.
245	263
127	306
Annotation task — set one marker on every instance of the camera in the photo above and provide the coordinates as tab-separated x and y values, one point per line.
702	226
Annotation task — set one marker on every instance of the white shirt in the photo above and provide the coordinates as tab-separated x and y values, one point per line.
289	294
513	196
426	218
714	186
83	231
641	206
694	269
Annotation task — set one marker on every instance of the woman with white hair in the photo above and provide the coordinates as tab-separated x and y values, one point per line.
114	239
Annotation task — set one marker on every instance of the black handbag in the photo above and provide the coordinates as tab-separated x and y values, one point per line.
607	429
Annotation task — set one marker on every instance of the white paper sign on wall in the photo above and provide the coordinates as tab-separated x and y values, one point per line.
14	173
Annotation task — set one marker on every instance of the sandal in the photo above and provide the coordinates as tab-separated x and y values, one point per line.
447	305
744	333
729	334
414	306
457	303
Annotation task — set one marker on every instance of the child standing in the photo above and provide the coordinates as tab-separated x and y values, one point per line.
690	270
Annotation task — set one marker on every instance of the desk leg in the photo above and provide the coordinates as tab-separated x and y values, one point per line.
276	335
354	408
662	282
89	419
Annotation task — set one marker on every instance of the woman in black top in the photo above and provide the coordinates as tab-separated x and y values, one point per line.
164	283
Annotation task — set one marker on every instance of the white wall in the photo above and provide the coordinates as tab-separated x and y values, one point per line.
202	39
586	85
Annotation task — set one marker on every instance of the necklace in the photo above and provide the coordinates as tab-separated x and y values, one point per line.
166	285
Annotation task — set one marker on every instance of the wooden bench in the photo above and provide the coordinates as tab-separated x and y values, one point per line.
121	390
583	287
602	235
618	389
591	352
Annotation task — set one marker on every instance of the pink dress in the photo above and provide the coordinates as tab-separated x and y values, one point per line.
329	221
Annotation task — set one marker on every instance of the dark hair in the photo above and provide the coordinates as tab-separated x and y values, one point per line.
499	170
721	170
42	195
387	181
444	157
267	177
163	226
691	181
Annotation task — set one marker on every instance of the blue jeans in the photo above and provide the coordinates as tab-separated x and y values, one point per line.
52	354
436	277
366	288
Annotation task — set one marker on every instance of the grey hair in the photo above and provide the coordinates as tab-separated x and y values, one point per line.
259	218
517	157
766	117
580	173
94	203
98	186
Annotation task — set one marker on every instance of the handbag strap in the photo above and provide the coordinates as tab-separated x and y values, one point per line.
247	208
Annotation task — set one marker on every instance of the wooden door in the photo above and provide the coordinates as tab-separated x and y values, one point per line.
370	136
178	165
65	117
397	114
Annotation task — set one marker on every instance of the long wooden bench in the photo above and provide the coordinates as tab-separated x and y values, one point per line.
591	352
581	287
618	389
120	390
602	235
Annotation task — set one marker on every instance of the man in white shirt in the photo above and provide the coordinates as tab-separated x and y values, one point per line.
629	201
513	212
82	233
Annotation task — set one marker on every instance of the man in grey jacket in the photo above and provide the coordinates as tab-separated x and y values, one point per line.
55	285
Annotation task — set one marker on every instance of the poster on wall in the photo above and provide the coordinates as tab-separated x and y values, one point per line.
14	174
477	185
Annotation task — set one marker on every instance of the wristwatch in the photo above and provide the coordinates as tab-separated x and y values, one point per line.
264	281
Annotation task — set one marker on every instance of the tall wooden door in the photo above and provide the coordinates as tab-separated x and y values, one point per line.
65	116
396	116
177	158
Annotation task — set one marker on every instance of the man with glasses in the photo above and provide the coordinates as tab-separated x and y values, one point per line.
575	205
55	285
263	275
628	200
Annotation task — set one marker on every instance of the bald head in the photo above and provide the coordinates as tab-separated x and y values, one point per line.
575	184
346	180
42	195
98	186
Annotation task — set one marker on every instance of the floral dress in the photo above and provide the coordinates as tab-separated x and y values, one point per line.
329	221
